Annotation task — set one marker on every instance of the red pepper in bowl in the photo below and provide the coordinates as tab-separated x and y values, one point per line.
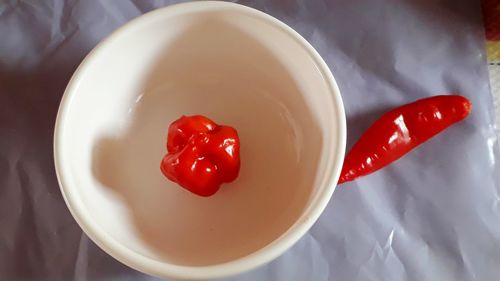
201	154
401	130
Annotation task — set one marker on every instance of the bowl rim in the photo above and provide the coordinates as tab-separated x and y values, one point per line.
127	256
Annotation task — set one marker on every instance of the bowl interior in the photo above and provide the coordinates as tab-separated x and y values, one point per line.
231	66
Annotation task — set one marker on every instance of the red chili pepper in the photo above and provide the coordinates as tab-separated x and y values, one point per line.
201	154
399	131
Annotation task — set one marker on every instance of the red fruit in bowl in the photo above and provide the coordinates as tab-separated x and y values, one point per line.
202	155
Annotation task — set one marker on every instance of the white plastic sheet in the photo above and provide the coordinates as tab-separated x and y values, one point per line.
434	215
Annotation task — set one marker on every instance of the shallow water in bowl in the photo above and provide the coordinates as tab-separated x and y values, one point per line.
218	70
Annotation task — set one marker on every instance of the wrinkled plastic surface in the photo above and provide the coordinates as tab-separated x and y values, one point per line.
433	215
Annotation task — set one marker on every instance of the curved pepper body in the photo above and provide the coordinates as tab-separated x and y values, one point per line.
201	154
400	130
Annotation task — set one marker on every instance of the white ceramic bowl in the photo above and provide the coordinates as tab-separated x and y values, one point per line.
239	67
